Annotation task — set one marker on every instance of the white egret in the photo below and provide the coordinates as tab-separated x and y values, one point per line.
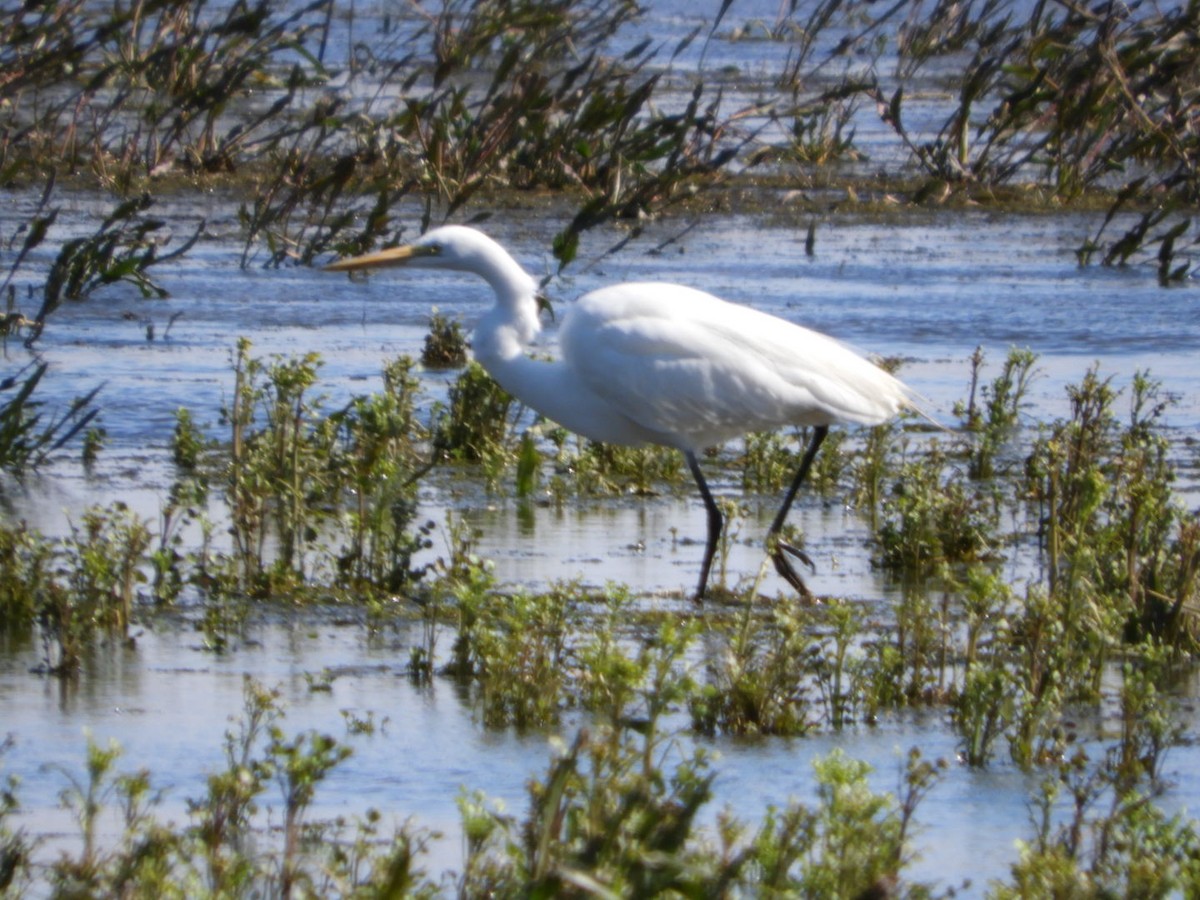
648	363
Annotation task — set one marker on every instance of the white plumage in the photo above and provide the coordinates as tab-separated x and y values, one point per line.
661	363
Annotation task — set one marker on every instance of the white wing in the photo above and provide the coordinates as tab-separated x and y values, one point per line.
699	371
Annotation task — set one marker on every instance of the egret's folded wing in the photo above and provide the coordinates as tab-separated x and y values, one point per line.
686	364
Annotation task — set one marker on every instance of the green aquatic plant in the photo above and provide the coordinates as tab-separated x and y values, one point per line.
1149	728
934	517
222	819
871	467
445	345
839	668
188	443
278	464
592	467
982	711
520	658
621	808
16	849
1093	836
612	665
126	245
601	823
993	421
479	422
757	675
91	592
299	765
26	573
983	707
222	850
597	822
1116	540
769	461
377	459
906	658
75	589
92	444
171	560
27	438
97	870
104	563
298	479
858	836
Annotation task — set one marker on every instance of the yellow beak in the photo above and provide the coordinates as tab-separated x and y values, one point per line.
394	256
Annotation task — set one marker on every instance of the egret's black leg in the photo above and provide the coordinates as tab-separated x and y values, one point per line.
715	523
783	565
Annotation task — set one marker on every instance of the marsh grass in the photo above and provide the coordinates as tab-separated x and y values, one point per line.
137	100
27	437
1096	828
615	811
1012	663
141	101
1081	106
445	344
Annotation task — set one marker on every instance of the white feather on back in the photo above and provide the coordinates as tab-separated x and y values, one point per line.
701	370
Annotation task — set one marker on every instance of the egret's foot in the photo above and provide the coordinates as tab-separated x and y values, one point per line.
783	565
782	547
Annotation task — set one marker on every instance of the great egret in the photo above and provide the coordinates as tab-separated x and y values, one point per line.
661	364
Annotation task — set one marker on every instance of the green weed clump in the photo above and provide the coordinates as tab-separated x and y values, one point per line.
993	422
94	593
25	571
602	821
1107	524
445	345
298	478
1096	828
77	590
618	811
320	506
770	460
479	424
224	849
595	468
27	438
759	677
1113	529
377	460
932	519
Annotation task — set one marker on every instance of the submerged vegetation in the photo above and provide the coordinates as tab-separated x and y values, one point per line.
324	127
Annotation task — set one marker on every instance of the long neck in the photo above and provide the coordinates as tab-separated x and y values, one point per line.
503	337
501	341
509	327
513	286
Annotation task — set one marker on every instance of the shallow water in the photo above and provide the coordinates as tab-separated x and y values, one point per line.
929	292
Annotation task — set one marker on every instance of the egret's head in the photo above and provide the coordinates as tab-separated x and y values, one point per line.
455	247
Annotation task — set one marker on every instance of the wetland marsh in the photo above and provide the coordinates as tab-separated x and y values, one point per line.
1011	597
